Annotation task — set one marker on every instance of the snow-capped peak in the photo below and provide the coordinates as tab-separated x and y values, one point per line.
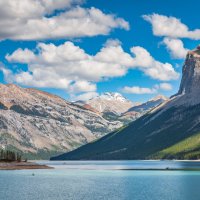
112	96
110	102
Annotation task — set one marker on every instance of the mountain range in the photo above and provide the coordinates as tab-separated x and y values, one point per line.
41	125
115	107
169	131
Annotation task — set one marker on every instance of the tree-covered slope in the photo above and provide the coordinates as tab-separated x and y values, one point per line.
188	148
144	138
161	133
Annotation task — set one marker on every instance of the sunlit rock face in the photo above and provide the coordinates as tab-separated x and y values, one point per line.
190	84
115	107
170	124
110	102
189	90
32	121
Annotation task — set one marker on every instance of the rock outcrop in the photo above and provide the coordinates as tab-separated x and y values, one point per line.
110	102
170	131
37	122
189	93
143	108
115	107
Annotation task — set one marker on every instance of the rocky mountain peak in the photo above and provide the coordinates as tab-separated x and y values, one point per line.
33	120
159	97
113	96
166	132
110	102
11	94
149	105
191	75
195	52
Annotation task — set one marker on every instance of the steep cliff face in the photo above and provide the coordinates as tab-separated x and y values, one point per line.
34	121
171	130
191	74
189	92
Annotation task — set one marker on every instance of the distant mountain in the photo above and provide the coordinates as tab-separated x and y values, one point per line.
111	106
41	124
152	103
170	131
115	107
110	102
138	110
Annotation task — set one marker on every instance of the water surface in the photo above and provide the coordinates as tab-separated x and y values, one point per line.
128	165
69	183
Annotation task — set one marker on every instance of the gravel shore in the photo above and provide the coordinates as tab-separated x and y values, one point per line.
21	165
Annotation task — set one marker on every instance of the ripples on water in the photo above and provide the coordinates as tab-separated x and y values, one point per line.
122	164
73	181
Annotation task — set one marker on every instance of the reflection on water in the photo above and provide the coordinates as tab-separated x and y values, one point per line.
63	183
122	164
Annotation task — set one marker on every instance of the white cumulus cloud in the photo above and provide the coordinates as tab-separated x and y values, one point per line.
144	90
139	90
67	66
176	48
22	56
152	67
171	27
163	86
84	96
82	86
50	19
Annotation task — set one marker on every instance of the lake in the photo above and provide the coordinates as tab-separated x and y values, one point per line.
103	180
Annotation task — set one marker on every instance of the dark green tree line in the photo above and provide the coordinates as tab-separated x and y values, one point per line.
7	155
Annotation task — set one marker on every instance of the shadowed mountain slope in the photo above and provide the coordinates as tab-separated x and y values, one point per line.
161	131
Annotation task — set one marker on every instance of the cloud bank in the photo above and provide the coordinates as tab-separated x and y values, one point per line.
144	90
176	48
69	67
171	27
49	19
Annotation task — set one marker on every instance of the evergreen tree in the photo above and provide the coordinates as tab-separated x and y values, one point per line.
7	155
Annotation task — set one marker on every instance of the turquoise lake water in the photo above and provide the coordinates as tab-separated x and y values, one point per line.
103	180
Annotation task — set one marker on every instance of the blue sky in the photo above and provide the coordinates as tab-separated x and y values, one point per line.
166	35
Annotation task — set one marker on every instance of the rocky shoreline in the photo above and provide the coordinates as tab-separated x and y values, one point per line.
21	165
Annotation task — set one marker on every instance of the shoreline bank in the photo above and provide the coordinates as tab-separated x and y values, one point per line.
21	165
